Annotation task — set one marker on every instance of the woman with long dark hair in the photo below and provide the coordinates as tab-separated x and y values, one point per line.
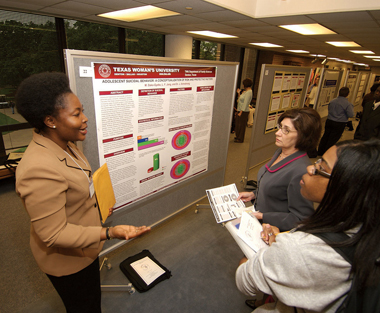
301	270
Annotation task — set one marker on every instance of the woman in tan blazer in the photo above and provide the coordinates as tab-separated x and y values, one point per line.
53	180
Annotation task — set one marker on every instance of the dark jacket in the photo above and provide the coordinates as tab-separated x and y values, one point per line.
369	125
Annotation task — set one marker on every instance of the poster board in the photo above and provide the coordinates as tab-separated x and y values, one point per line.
285	95
163	202
351	82
328	90
360	88
277	84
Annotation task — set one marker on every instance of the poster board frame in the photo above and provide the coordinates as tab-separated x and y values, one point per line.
162	205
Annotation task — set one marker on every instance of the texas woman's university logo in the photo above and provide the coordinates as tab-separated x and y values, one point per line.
104	70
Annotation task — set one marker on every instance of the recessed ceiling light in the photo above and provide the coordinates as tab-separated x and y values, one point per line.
362	51
378	60
209	33
343	43
138	14
318	55
361	64
309	29
298	51
372	56
265	44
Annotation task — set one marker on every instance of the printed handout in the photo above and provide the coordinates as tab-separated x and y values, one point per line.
223	203
250	231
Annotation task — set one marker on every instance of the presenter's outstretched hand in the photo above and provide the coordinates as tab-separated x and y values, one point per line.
127	231
246	196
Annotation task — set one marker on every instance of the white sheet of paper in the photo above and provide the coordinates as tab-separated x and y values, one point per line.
223	203
249	231
147	269
233	228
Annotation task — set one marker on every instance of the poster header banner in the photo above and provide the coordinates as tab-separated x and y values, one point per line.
129	71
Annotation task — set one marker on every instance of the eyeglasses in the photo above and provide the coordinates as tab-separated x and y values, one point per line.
318	171
285	130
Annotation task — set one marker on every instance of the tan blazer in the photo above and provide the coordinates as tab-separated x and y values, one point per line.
65	221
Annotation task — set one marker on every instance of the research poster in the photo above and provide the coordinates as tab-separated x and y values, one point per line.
351	82
329	88
153	125
285	94
361	88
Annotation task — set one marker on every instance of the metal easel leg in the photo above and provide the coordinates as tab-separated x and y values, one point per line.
201	206
129	288
205	206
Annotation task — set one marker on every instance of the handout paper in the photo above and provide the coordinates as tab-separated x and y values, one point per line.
250	232
223	203
148	270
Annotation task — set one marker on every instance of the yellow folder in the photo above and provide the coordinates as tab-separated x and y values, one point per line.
103	190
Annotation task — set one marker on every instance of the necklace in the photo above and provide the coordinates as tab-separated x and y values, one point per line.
281	156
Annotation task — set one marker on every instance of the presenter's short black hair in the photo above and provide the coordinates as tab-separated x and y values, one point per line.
41	95
308	124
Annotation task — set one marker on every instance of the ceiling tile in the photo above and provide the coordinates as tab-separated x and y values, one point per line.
212	26
17	5
77	8
221	16
375	14
183	19
327	18
245	23
181	5
111	5
287	20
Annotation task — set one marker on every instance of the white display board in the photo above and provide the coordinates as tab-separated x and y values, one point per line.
161	124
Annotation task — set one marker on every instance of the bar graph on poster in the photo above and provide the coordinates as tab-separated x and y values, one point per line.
153	125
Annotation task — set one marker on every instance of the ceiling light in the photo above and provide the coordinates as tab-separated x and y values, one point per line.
265	44
314	61
298	51
361	64
138	14
372	56
324	61
362	52
376	60
309	29
343	43
318	55
209	33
